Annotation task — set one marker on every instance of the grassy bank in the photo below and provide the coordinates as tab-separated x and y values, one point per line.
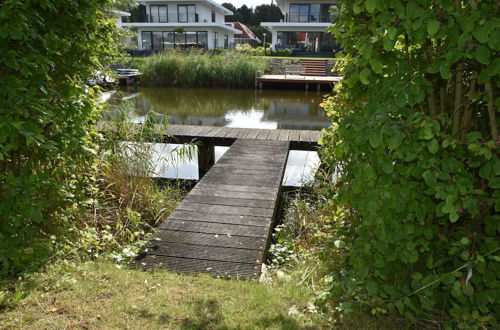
101	295
196	69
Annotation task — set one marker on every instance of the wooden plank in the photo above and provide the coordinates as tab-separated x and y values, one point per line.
239	170
263	134
222	132
264	179
215	228
214	131
252	133
240	188
304	136
214	200
223	209
273	135
203	191
238	181
194	266
246	220
284	133
294	135
214	253
207	239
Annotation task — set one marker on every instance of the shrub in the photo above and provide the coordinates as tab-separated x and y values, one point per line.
415	141
47	114
282	52
195	68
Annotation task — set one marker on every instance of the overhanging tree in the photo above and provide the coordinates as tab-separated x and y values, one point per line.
415	142
47	112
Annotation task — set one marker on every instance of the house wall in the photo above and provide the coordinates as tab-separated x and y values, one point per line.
203	10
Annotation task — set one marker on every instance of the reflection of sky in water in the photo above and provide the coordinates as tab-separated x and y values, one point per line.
266	109
248	119
300	167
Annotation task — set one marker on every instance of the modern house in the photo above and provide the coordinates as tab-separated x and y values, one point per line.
166	24
303	27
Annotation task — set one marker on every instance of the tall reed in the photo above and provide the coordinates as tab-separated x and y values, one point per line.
195	69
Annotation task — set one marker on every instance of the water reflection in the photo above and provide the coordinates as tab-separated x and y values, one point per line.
232	107
271	109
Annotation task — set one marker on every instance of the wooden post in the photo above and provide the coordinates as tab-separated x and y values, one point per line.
206	158
319	87
307	86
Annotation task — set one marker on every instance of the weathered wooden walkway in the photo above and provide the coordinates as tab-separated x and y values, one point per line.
223	226
299	139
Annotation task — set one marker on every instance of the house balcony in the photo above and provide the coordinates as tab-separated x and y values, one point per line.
325	18
163	18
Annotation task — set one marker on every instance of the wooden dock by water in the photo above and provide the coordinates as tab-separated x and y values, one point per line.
223	226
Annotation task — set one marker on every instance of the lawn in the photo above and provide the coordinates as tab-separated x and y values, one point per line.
101	295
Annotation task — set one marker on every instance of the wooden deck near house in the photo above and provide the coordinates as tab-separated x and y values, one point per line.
296	79
223	226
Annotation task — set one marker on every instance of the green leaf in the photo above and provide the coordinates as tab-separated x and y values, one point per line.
495	183
370	5
433	27
433	146
465	23
387	167
388	44
483	55
391	32
429	178
481	33
364	76
445	71
375	139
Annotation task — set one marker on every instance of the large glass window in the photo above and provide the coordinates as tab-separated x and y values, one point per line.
157	40
314	12
191	39
226	41
213	16
186	13
158	14
168	40
216	40
180	38
146	40
203	38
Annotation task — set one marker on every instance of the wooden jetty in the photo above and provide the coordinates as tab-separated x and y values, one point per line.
307	81
223	226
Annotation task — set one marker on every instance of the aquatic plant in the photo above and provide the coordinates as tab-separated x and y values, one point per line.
195	69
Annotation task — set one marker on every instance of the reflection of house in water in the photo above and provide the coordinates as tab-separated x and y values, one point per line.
143	107
294	115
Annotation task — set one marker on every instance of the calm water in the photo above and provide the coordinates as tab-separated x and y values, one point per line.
272	109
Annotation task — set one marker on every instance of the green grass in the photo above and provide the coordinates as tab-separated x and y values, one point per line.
197	69
101	295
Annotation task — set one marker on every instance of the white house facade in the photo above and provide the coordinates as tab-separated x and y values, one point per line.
167	24
304	26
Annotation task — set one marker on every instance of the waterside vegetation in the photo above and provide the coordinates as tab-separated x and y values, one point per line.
196	69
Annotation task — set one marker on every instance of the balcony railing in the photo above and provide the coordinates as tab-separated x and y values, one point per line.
163	18
326	18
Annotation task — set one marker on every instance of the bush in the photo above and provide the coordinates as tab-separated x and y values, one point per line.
415	142
195	69
282	52
47	113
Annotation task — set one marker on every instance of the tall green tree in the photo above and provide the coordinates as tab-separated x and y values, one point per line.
47	113
414	139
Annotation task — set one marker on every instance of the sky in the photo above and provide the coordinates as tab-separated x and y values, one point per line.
249	3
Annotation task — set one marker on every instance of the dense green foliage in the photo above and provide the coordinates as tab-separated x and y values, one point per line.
49	49
414	142
195	69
